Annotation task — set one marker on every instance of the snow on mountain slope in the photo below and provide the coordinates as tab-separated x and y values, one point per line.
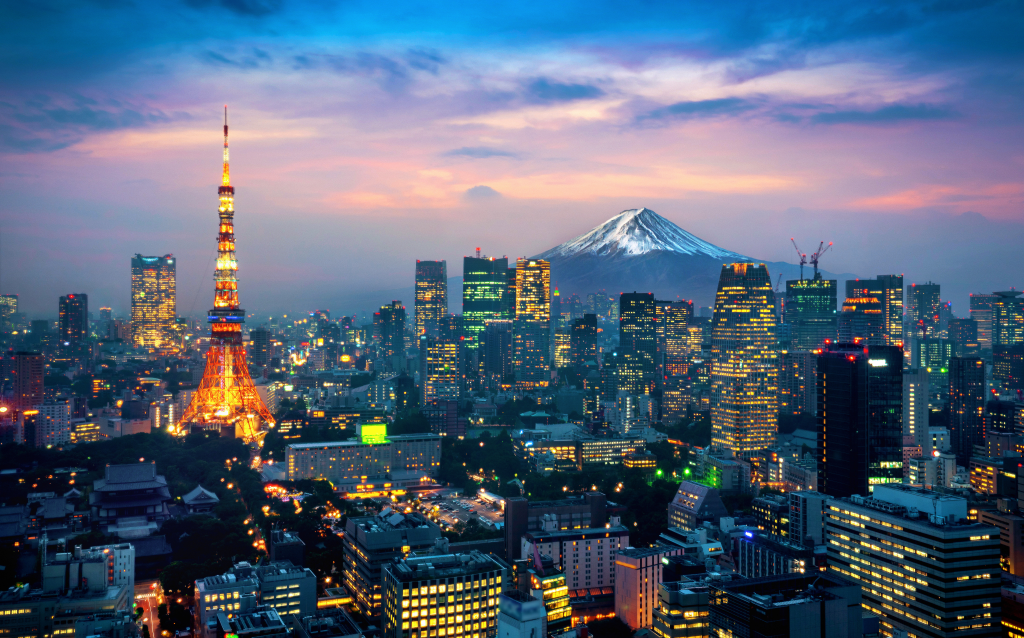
636	232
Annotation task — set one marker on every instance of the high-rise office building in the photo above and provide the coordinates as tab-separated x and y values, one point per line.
439	369
916	409
981	312
8	308
744	369
966	405
583	341
797	382
154	296
1007	318
862	320
74	318
389	326
811	312
638	343
860	418
672	321
1008	367
259	347
431	296
923	301
964	335
496	350
508	304
888	289
533	322
26	370
922	567
484	283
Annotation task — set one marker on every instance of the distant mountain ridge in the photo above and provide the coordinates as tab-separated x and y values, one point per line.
640	250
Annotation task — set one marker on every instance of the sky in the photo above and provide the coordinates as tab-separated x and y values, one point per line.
366	135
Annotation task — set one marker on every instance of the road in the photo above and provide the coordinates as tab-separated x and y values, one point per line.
147	592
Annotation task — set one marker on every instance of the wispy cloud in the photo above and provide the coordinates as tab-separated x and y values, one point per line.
698	109
479	152
547	90
891	114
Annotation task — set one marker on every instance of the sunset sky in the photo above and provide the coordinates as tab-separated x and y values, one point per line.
365	135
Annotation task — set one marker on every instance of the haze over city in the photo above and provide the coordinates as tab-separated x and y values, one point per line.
366	136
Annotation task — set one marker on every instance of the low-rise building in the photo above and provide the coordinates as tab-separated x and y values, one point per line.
231	593
374	463
694	504
682	610
438	593
261	622
287	588
332	623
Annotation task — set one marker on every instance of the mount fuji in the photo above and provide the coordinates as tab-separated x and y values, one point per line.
640	250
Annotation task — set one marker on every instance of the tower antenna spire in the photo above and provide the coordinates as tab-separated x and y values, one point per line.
226	181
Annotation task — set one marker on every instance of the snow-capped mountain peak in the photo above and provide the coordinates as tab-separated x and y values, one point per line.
635	232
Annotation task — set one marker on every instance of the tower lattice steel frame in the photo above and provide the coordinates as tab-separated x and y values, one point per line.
226	397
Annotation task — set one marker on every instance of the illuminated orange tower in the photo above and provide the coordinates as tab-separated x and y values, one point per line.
226	398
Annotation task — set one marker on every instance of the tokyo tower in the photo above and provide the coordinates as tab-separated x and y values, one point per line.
226	399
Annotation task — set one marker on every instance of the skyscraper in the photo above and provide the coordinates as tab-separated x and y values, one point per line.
964	335
916	408
26	370
638	343
496	350
1008	367
673	324
8	308
508	303
811	312
74	318
888	289
744	371
1007	318
431	296
923	302
226	399
583	341
484	281
966	405
981	312
798	382
389	324
153	302
860	418
439	369
862	321
259	347
533	322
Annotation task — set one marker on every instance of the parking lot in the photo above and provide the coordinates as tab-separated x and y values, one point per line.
452	511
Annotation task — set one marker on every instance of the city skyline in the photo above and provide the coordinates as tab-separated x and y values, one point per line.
367	141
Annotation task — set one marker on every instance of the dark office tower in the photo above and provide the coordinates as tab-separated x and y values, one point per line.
797	382
259	347
556	311
862	321
673	323
966	405
496	351
638	343
981	311
1008	367
407	396
811	312
532	325
8	308
860	418
744	365
431	296
583	342
1001	417
154	298
483	289
508	302
574	308
964	335
888	289
923	302
74	318
389	324
1007	318
25	370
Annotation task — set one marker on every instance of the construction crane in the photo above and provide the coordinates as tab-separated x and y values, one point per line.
803	257
822	249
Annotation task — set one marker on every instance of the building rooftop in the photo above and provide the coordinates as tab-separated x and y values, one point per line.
420	567
136	476
335	622
644	552
788	589
575	533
